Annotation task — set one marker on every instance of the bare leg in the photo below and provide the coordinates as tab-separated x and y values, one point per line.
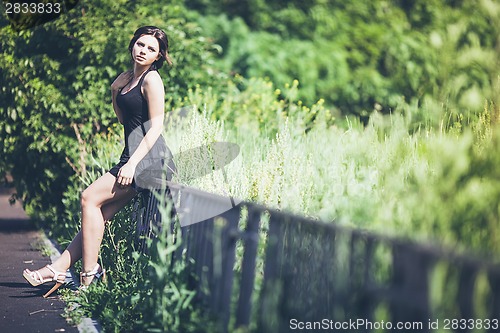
103	191
73	252
100	202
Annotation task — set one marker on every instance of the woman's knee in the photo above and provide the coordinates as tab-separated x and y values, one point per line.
86	198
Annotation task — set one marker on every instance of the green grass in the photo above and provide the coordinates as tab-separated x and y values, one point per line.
434	182
401	174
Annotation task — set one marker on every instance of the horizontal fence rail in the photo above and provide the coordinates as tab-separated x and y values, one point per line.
295	273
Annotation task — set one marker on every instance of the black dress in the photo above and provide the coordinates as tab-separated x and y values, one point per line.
136	123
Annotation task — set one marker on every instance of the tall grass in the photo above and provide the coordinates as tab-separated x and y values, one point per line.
403	174
395	175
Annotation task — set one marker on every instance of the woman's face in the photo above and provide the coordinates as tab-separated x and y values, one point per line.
146	50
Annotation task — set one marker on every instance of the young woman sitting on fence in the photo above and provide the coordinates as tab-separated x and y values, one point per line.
138	101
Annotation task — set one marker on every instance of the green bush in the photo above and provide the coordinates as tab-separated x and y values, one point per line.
360	56
56	99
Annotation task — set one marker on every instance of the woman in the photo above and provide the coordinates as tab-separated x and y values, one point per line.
138	101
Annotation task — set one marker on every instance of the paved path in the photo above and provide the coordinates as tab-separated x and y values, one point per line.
22	307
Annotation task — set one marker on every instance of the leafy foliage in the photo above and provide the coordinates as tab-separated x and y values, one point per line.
362	56
56	98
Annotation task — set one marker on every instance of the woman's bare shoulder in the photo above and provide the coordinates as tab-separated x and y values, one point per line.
152	78
152	85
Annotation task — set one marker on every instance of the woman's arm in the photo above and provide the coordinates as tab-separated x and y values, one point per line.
120	82
155	95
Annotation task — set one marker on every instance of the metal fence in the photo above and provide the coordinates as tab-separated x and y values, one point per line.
268	271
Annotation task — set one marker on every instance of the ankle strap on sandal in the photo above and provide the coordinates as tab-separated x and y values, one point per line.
92	272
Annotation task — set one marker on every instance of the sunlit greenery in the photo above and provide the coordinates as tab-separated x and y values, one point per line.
381	115
363	55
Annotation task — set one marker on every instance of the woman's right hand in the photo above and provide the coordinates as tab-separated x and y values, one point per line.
121	81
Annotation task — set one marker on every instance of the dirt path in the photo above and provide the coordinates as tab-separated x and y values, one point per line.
22	307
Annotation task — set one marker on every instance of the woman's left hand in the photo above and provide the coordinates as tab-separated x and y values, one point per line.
126	174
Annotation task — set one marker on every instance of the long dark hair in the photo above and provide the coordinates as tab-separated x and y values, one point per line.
162	39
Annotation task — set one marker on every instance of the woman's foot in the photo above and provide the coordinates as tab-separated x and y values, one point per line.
44	275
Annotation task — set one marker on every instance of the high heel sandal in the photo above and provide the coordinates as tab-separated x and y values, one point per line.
97	273
36	279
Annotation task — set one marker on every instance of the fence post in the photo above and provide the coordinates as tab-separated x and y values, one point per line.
148	217
223	289
468	273
409	295
251	242
494	280
268	318
143	220
366	302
